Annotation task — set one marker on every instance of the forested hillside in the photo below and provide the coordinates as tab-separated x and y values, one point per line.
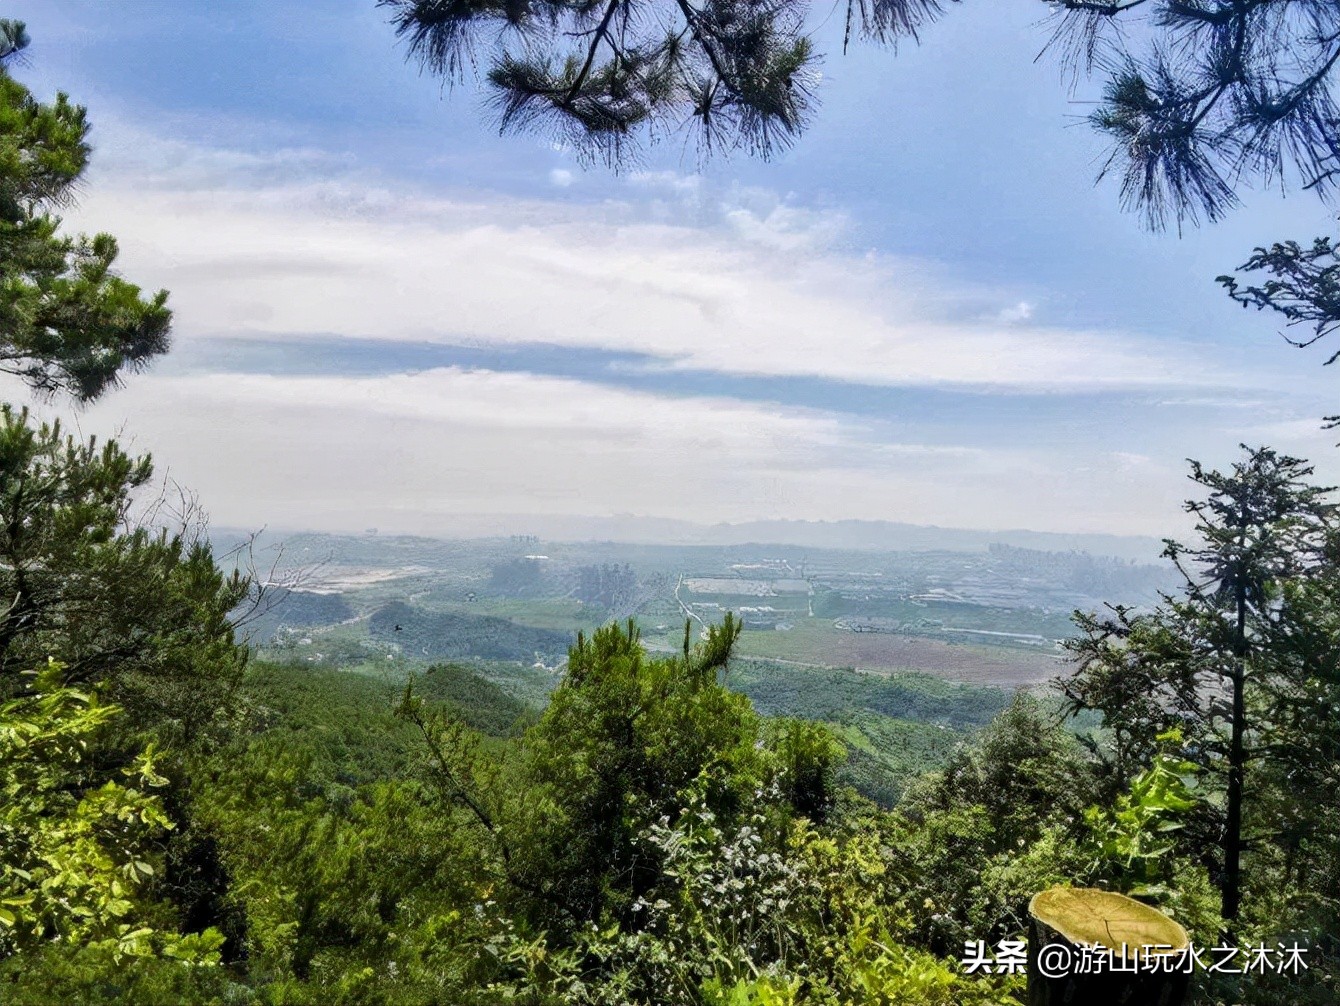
574	781
446	635
187	826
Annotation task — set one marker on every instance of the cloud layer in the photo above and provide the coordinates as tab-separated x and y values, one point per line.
739	282
286	244
408	452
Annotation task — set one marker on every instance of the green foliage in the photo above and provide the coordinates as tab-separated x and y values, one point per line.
477	702
886	755
1216	662
1303	287
333	880
622	737
69	323
444	635
895	727
144	614
77	850
649	838
341	724
974	841
740	72
342	873
1136	848
1022	761
823	693
760	911
805	920
654	841
1136	838
1296	785
1219	93
807	756
72	849
56	975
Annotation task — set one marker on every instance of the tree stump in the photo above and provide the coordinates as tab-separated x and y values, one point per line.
1117	951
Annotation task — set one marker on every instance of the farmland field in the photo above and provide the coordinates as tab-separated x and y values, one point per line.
819	642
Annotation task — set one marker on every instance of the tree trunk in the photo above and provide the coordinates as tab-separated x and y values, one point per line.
1237	766
1088	947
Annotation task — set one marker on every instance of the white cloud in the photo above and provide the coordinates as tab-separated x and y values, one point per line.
407	452
294	242
671	181
1126	460
785	228
294	239
1020	312
344	258
126	151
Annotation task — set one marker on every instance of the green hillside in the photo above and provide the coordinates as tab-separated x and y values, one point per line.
436	635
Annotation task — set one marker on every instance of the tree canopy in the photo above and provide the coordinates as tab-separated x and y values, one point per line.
1200	96
143	613
1207	95
1218	666
68	322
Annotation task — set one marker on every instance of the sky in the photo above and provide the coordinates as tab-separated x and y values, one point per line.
387	315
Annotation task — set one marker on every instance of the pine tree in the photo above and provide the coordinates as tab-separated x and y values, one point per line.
68	323
602	76
1303	286
142	613
1203	95
1208	661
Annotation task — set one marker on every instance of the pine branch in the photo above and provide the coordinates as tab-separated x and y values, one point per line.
598	36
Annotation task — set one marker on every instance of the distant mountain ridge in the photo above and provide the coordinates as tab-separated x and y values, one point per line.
857	535
863	535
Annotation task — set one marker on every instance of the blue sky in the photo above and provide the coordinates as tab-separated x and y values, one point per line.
389	315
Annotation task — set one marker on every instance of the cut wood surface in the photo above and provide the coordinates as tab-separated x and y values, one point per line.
1096	917
1066	920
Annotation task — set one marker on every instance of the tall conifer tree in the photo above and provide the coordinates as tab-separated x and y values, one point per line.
68	323
1207	661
